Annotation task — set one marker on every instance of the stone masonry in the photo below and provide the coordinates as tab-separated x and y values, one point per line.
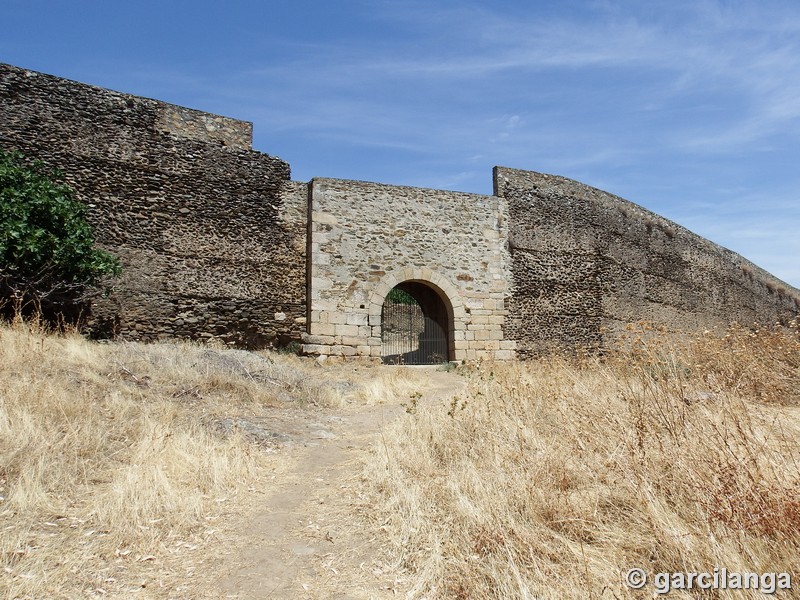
210	233
366	238
586	263
218	243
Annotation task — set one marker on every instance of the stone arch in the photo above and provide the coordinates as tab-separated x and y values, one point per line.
447	293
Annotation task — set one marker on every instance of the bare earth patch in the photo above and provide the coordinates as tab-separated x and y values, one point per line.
304	539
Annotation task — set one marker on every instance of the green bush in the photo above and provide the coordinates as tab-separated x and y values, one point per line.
47	254
399	296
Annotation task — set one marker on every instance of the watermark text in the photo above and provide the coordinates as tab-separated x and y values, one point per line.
718	579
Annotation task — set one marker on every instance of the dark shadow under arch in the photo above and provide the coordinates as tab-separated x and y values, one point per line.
416	325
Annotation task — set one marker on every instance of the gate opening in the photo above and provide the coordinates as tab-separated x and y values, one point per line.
415	326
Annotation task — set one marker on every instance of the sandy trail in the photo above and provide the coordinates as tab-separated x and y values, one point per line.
299	542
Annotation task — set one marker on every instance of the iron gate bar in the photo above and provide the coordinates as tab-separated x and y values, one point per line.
410	337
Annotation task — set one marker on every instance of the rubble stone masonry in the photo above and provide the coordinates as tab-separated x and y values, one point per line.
217	242
211	234
586	263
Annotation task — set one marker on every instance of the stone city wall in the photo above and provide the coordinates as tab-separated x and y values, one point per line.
366	238
211	234
585	263
214	240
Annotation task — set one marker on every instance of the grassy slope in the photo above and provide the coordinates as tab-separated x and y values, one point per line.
114	476
547	479
551	479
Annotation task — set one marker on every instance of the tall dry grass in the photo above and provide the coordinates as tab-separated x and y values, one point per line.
108	465
551	479
115	478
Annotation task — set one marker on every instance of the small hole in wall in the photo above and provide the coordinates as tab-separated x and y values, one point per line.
362	306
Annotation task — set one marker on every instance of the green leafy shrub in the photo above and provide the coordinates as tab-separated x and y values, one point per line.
48	262
399	296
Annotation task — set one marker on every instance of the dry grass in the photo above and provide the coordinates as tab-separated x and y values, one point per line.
114	477
548	479
551	479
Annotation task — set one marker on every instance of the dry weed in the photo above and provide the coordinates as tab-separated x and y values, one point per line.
110	476
551	479
114	478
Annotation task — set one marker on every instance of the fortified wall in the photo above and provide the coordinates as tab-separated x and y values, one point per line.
585	263
211	234
217	242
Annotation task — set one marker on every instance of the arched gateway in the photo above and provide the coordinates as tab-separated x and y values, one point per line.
416	325
406	275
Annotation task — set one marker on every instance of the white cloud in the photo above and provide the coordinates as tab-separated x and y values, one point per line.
653	97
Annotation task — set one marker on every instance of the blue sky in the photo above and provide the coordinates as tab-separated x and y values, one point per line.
689	108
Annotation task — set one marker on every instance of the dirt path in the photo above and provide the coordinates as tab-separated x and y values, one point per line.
300	543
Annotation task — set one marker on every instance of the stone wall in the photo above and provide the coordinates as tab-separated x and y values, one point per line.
214	240
585	263
211	234
366	238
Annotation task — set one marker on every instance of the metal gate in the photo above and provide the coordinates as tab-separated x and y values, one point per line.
408	335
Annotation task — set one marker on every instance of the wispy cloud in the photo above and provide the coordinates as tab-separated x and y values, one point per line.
689	106
674	75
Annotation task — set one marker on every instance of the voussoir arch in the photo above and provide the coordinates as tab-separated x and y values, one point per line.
433	280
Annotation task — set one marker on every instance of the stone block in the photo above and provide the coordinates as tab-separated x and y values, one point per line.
322	329
493	304
317	339
474	303
321	283
326	304
343	350
357	319
316	349
348	330
337	318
